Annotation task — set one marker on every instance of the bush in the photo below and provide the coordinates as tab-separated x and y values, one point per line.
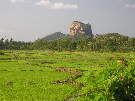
2	53
123	88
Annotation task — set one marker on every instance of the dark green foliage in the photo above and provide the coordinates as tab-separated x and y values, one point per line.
114	83
2	53
123	89
112	42
6	44
121	82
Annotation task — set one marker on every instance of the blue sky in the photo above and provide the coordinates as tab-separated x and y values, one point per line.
27	20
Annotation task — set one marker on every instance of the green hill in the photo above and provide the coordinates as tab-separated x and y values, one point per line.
54	36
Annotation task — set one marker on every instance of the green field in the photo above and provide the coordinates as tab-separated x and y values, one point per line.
66	76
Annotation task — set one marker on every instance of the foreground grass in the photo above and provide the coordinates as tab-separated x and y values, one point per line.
34	75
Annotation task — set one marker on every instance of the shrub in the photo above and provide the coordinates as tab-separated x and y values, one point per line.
123	88
1	53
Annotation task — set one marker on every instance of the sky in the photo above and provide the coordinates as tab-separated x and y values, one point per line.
28	20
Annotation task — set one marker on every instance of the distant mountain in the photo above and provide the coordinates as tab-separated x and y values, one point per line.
54	36
77	30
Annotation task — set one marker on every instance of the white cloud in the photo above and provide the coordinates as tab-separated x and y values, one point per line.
44	3
56	5
130	5
62	5
15	1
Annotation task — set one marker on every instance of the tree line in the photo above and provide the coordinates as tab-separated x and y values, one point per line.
10	44
113	42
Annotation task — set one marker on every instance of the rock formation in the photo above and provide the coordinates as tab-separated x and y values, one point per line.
79	28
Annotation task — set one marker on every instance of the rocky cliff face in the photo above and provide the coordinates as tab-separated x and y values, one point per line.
79	28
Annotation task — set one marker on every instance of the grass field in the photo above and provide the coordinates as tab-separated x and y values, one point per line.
65	76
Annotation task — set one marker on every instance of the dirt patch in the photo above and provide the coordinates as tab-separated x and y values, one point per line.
71	71
102	65
67	82
31	83
48	62
9	83
75	75
71	67
71	81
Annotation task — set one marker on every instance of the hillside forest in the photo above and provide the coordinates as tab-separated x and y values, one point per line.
110	42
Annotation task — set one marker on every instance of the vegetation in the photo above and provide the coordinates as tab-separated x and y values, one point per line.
68	69
112	42
6	44
37	75
54	36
